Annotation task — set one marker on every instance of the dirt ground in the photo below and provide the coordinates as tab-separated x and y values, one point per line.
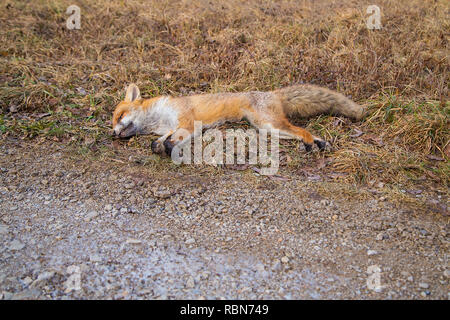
74	227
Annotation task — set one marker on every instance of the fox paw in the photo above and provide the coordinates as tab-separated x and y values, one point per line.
157	147
308	147
320	144
168	146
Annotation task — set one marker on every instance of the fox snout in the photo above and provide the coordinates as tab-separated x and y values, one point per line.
126	131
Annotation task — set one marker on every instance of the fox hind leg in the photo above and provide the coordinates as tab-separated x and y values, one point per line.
305	136
289	131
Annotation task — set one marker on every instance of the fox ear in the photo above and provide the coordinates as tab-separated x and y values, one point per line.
133	93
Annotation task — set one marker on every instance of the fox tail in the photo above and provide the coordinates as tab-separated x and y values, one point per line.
309	100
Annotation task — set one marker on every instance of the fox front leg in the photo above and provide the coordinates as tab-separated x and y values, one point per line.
158	145
179	137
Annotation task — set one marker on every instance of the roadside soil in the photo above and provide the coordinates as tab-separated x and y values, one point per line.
74	227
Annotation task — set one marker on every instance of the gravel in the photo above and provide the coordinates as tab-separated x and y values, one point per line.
98	229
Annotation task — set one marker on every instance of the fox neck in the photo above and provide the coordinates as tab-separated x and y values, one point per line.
160	118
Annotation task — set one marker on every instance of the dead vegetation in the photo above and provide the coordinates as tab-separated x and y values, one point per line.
62	84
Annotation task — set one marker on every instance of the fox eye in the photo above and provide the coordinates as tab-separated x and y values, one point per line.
120	117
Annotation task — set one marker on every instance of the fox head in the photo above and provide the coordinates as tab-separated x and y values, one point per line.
129	117
125	114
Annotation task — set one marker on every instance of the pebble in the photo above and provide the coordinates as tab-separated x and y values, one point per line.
425	293
133	241
130	185
164	194
95	258
91	215
123	210
260	267
190	241
27	281
285	259
372	252
381	236
16	245
108	207
3	229
424	285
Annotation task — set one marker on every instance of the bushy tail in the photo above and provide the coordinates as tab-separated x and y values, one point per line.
309	100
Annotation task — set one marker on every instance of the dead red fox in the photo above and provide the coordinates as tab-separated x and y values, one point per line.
166	115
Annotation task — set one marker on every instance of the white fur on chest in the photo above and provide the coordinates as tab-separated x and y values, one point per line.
159	119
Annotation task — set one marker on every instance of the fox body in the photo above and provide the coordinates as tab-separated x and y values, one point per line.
168	116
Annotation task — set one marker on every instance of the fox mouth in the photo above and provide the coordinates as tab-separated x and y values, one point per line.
128	131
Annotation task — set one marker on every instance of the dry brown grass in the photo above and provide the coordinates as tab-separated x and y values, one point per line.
169	47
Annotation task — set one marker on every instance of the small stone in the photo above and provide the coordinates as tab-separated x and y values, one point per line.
410	279
108	207
130	185
95	258
424	285
124	210
3	229
372	252
228	239
16	245
190	241
27	281
447	273
285	259
164	194
81	91
133	241
276	265
91	215
260	267
381	236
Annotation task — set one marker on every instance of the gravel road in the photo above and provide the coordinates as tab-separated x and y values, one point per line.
73	228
